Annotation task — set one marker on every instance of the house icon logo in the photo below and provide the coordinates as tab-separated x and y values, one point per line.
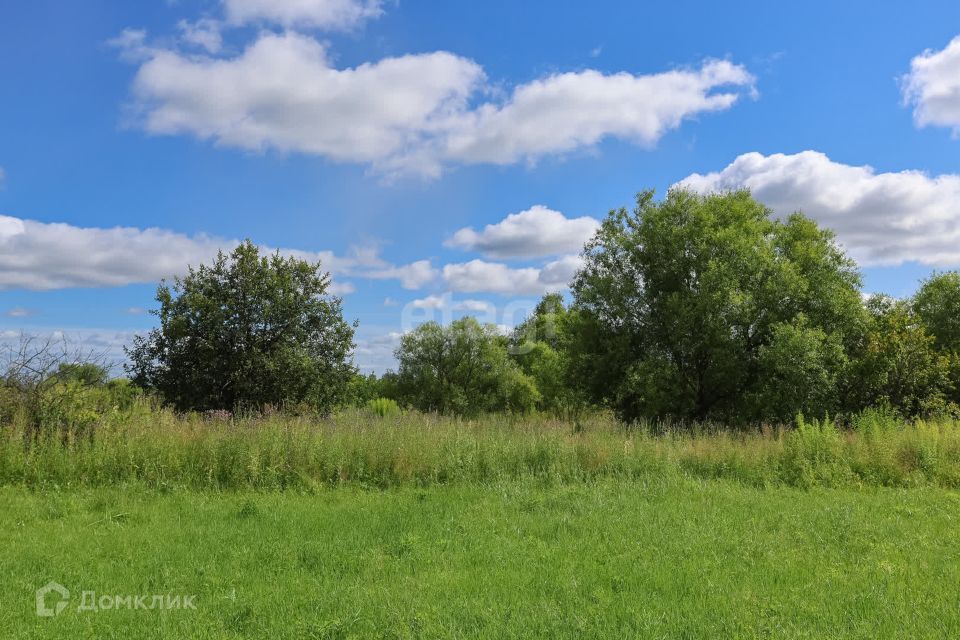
51	599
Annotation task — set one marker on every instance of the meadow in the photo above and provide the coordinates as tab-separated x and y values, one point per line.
411	525
161	449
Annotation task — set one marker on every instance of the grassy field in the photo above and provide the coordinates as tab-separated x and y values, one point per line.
164	451
664	556
420	526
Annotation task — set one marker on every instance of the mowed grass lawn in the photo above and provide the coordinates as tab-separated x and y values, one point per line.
664	557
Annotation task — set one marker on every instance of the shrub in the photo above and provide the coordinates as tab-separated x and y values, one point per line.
814	454
383	407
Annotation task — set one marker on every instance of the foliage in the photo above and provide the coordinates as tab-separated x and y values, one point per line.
248	331
541	346
383	407
54	390
160	448
681	298
937	305
362	389
800	370
900	366
462	368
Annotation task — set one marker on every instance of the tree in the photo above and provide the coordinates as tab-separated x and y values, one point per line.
680	298
246	332
937	304
801	369
900	365
462	368
540	345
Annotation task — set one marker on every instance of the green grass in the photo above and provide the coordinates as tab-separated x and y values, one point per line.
404	525
359	448
661	556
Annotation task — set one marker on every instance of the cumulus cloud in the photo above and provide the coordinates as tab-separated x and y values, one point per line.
283	93
319	14
342	288
496	277
38	255
374	351
446	302
407	114
411	276
882	218
567	111
204	33
536	232
932	87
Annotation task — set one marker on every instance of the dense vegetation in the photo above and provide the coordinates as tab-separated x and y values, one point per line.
702	308
379	449
248	331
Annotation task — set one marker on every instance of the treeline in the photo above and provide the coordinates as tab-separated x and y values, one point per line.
690	308
699	308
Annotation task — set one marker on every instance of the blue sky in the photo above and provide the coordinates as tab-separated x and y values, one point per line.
384	138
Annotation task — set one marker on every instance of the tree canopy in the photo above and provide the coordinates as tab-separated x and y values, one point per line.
245	332
462	368
691	304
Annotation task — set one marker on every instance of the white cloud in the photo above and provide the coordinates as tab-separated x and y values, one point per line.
568	111
536	232
342	288
559	273
473	306
882	218
390	302
933	87
446	302
411	276
204	33
283	93
431	302
408	114
19	312
38	255
3	177
496	277
374	351
320	14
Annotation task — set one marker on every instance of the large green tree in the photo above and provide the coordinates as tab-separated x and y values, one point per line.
937	303
690	304
461	368
541	346
247	331
900	365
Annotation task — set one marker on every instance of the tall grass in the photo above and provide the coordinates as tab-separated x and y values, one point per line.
161	449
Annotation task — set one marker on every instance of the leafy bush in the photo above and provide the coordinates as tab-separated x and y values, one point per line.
383	407
814	454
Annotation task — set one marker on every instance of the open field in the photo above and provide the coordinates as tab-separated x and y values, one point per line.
660	556
422	526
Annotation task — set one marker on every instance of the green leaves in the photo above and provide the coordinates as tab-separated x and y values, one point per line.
685	294
245	332
462	368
